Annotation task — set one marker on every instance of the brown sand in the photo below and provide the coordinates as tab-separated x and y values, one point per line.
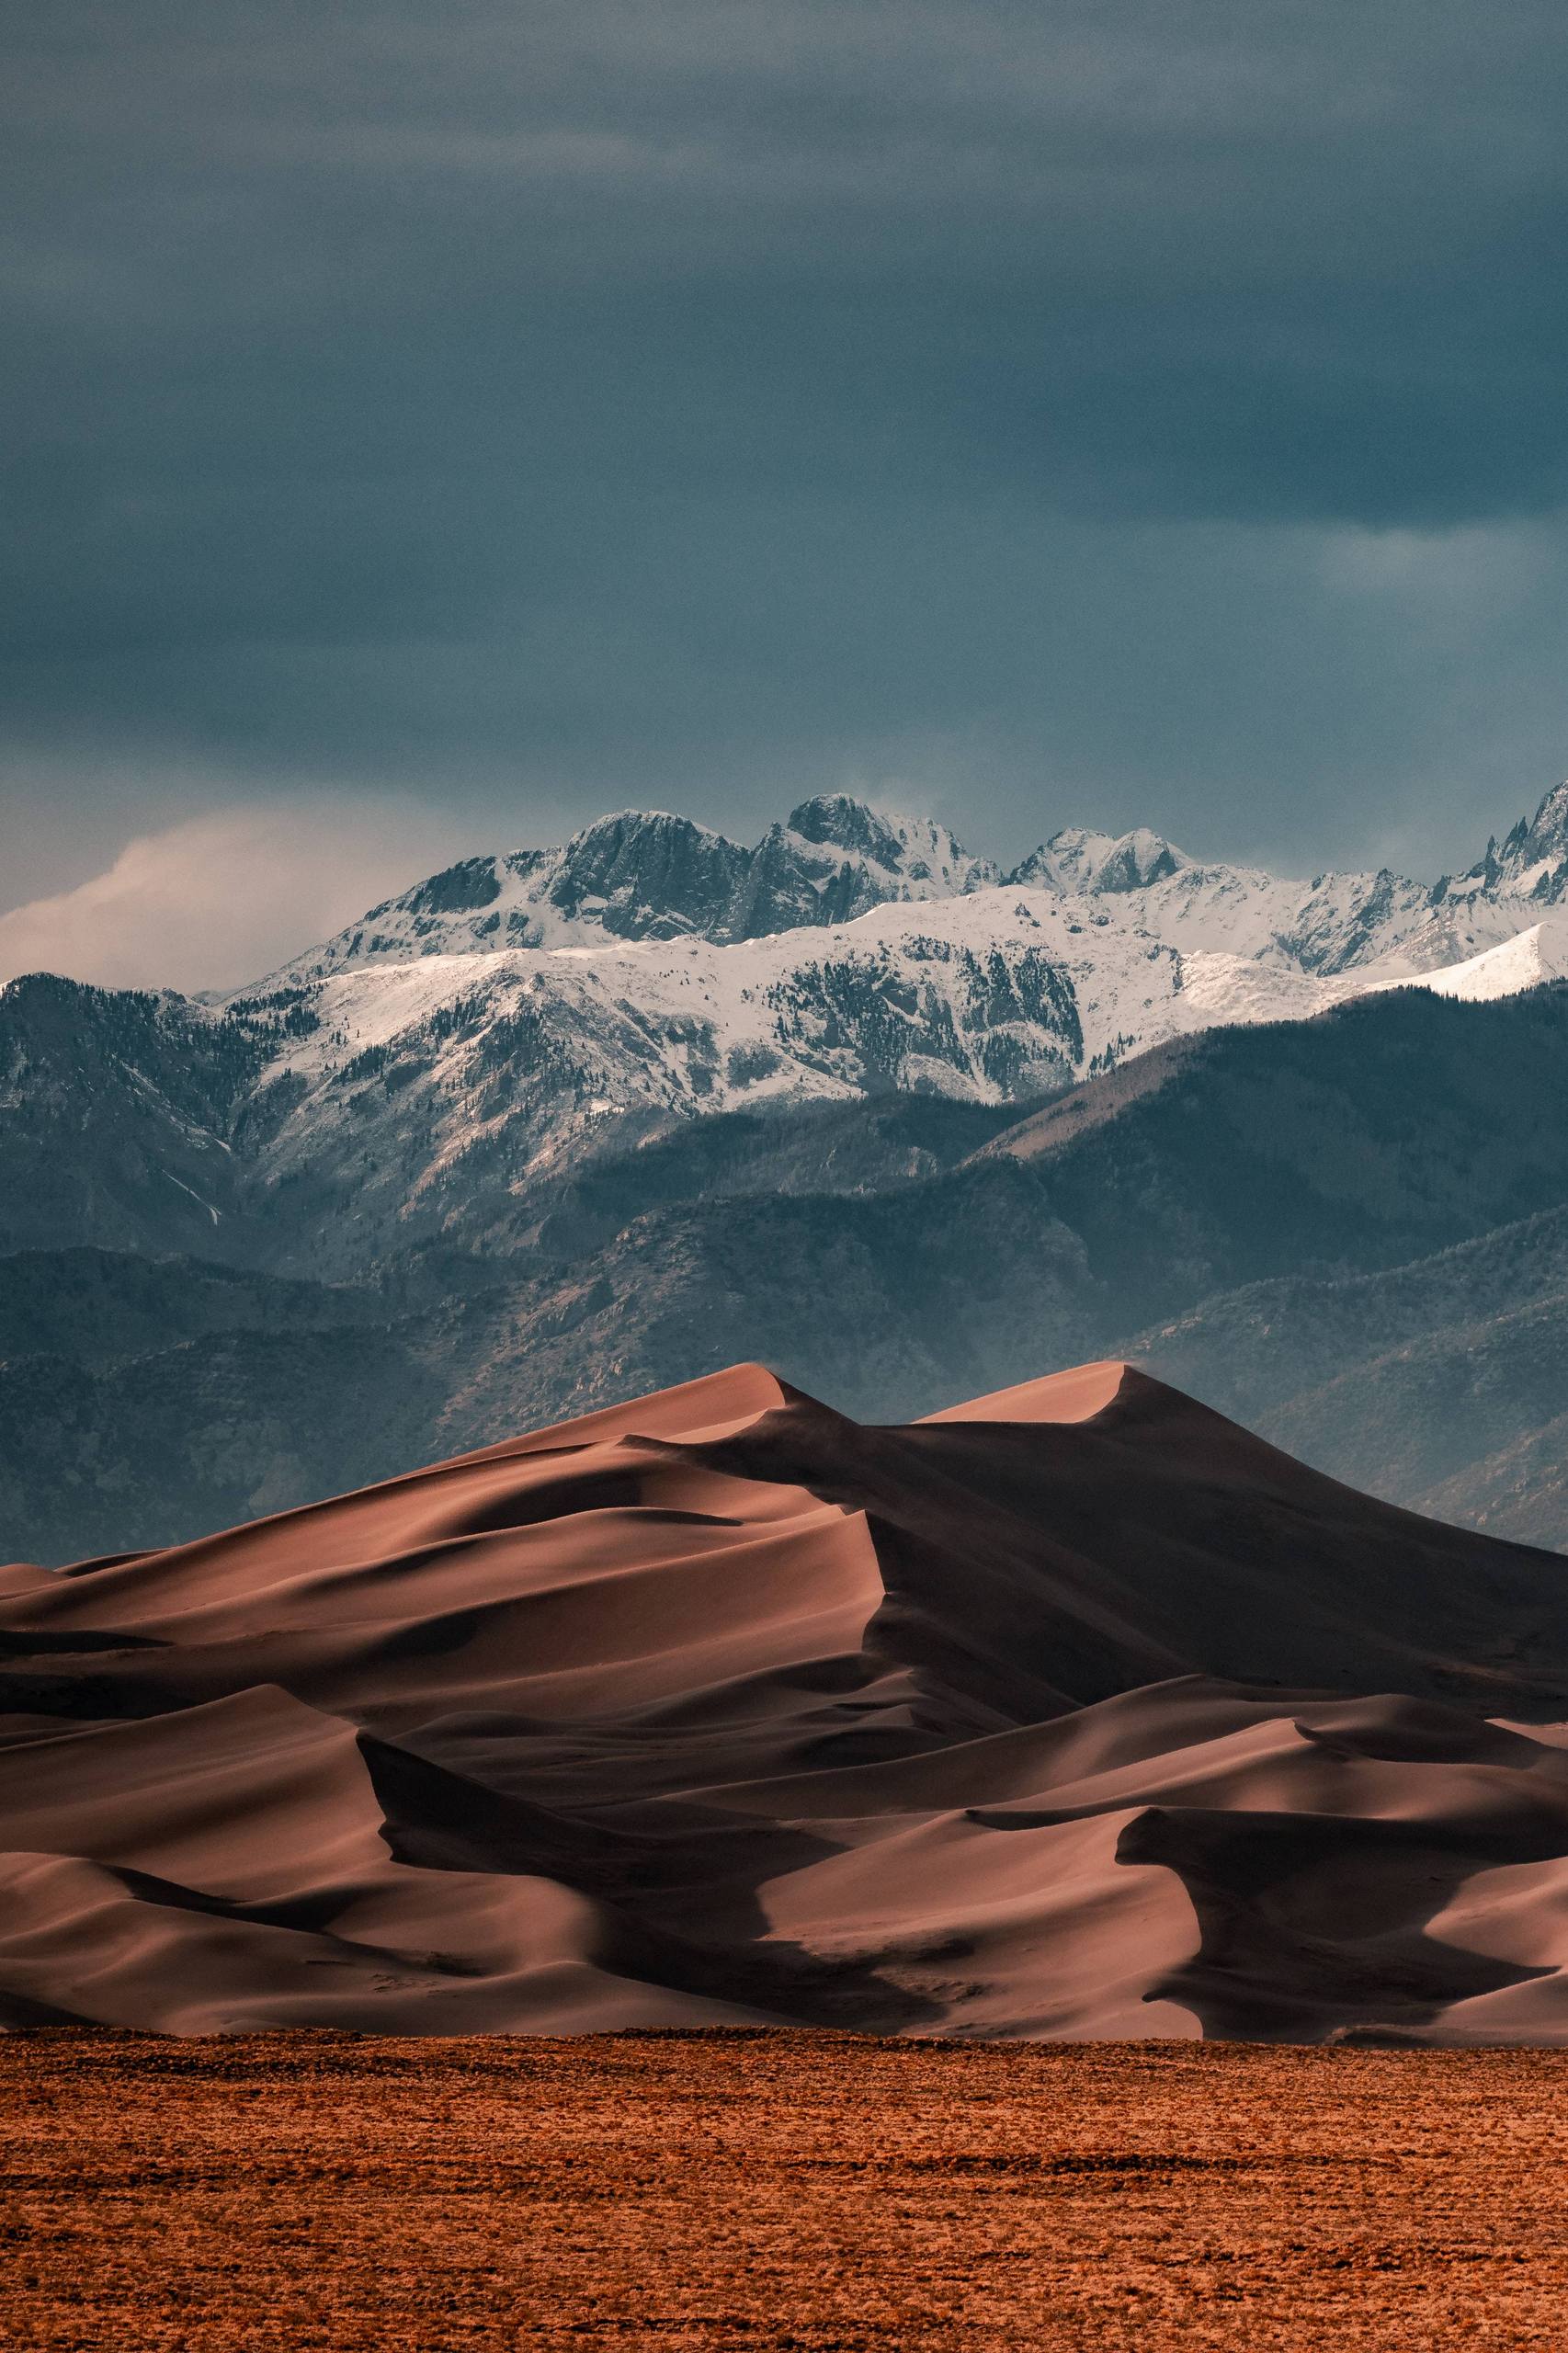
1077	1712
307	2194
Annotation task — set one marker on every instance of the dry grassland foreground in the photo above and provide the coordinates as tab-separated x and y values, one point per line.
297	2192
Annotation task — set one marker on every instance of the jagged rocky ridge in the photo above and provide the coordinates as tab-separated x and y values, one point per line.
644	874
408	1081
649	875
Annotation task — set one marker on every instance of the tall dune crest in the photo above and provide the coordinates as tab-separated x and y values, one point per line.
1075	1710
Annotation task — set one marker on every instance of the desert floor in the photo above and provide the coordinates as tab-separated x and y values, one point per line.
810	2191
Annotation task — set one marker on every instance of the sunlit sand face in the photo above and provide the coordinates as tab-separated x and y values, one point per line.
1073	1712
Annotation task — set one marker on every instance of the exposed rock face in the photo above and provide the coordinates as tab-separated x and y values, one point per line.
1076	859
1530	863
646	875
642	875
493	1026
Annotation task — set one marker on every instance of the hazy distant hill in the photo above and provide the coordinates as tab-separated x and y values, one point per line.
1270	1216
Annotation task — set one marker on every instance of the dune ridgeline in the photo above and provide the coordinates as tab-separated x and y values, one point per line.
1076	1711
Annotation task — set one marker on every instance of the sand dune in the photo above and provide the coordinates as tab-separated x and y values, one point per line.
1075	1710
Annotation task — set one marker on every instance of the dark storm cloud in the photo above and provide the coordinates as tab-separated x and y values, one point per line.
704	393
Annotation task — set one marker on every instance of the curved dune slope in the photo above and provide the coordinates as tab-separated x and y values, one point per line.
1073	1711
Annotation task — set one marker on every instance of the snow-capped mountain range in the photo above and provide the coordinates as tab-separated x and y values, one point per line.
646	875
643	874
415	1077
849	951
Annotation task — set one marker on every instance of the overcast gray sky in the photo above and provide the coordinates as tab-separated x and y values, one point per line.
454	421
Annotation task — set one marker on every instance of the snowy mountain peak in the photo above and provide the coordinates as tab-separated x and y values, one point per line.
648	875
1530	862
833	859
837	821
917	849
1533	861
1078	859
1551	817
643	874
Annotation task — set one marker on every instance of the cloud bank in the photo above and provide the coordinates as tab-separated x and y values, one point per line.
221	899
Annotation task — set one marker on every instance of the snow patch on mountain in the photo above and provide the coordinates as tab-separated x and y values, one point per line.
645	874
414	1085
1530	863
505	1064
483	1028
641	876
1526	962
1076	860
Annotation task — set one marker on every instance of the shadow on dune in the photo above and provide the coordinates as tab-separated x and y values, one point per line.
1078	1712
1323	1919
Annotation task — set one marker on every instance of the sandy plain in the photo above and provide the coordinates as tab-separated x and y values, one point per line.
809	2191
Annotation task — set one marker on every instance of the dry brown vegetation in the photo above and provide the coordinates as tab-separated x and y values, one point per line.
810	2191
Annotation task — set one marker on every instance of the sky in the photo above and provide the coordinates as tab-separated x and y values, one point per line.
427	429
